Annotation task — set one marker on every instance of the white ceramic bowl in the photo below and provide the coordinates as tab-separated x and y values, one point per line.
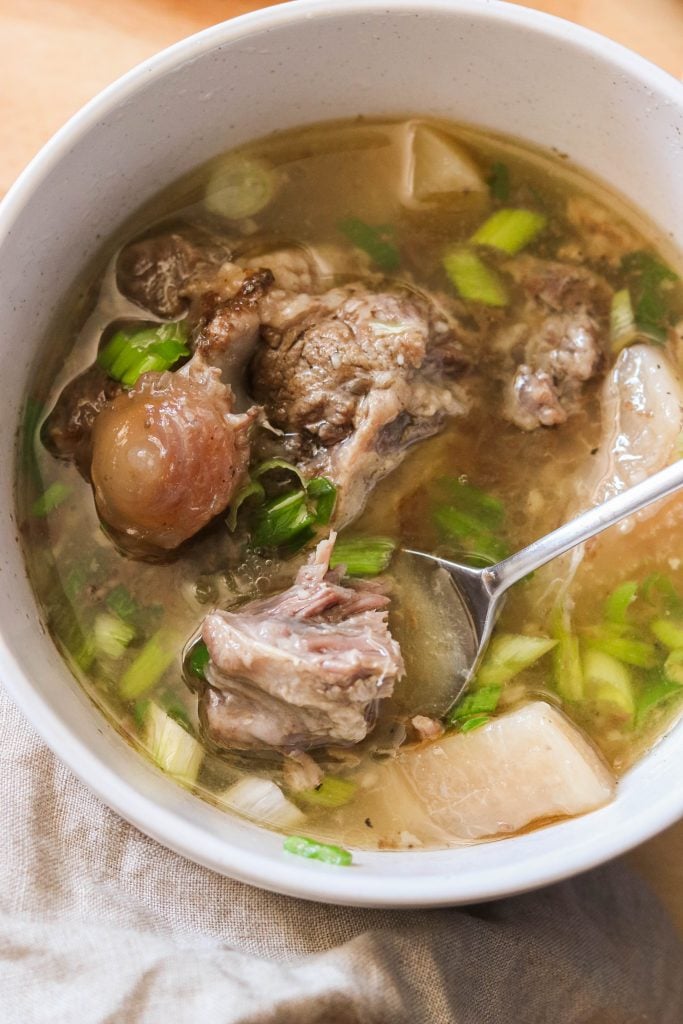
488	63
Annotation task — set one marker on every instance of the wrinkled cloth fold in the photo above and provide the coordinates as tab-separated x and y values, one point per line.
101	925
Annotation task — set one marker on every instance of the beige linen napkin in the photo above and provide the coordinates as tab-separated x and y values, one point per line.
101	925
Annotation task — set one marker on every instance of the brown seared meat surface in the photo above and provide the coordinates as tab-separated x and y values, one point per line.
558	343
302	669
67	430
168	456
358	375
161	273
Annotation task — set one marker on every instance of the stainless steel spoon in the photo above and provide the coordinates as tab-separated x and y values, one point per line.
479	593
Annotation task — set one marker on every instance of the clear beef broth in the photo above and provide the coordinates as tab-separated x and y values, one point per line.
326	175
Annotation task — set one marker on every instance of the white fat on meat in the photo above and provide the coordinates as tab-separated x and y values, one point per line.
530	765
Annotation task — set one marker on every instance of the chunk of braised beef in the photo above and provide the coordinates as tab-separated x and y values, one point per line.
303	668
66	432
362	375
158	272
557	343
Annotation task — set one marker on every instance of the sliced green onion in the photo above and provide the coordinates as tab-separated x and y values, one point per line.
332	792
363	556
567	668
475	722
251	490
498	181
629	650
649	278
479	545
55	495
271	464
198	660
658	590
328	854
620	600
121	603
482	701
472	279
240	187
608	680
668	632
170	746
149	666
673	667
282	520
509	231
324	493
175	709
262	800
375	240
623	329
487	509
657	691
129	353
509	654
112	635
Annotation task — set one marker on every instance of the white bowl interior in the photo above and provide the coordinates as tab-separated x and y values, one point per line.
490	64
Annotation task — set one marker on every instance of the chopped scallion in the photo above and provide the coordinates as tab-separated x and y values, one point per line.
622	323
121	603
332	792
363	556
472	279
498	181
198	660
673	667
669	632
628	649
620	600
509	231
55	495
277	464
657	691
262	800
130	353
240	187
376	240
282	520
608	680
324	493
509	654
148	667
112	635
567	669
251	490
475	722
648	279
327	853
482	701
170	746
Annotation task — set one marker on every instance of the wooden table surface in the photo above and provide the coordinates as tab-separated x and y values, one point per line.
56	54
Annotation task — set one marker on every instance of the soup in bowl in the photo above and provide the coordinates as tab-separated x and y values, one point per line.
294	357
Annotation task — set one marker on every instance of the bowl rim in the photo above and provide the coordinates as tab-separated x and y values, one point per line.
284	874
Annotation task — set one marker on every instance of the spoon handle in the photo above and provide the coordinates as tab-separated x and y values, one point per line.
588	524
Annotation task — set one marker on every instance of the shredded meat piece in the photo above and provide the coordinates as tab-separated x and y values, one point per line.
602	236
557	343
301	669
427	728
168	456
